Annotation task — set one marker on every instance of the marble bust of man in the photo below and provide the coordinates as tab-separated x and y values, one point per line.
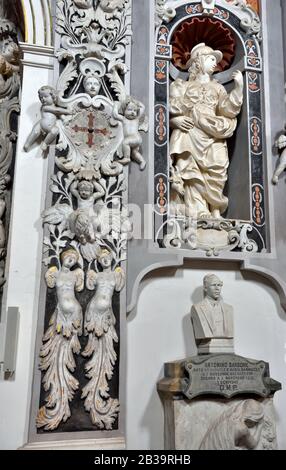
212	319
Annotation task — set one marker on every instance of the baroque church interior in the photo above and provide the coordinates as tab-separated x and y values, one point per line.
143	242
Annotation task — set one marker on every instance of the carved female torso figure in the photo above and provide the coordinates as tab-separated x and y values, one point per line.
99	313
203	116
68	311
60	342
105	287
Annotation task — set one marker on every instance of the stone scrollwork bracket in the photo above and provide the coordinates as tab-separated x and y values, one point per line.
211	236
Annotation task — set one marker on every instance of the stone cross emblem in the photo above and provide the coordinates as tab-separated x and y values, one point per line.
92	137
91	130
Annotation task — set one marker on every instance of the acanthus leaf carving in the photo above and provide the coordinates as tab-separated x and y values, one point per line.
100	30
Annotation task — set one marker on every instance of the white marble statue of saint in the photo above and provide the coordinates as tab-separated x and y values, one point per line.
203	116
212	319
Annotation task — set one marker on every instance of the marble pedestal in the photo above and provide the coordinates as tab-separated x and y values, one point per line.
215	346
218	402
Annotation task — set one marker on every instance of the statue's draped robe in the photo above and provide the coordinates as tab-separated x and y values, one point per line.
200	156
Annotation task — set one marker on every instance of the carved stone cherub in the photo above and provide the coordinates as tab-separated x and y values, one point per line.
82	220
47	125
281	145
133	119
163	12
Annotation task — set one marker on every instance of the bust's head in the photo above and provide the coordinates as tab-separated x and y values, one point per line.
212	286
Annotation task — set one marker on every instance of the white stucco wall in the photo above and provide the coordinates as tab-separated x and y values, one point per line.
160	331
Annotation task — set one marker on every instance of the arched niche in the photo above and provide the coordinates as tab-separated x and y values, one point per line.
226	30
146	255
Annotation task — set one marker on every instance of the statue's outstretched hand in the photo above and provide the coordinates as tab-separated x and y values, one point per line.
238	79
183	123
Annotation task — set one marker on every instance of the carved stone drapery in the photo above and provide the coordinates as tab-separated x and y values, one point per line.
95	129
